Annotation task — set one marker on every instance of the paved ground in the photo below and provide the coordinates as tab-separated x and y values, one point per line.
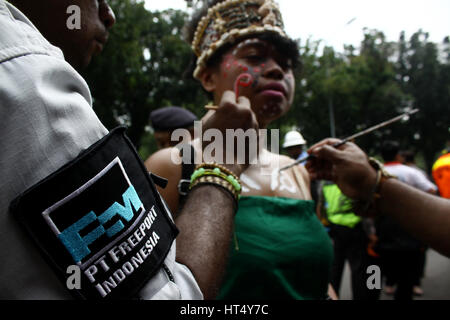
435	284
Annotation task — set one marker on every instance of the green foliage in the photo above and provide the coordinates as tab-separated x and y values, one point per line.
148	145
383	80
361	89
143	67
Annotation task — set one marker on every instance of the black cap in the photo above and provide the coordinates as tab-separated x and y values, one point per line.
171	118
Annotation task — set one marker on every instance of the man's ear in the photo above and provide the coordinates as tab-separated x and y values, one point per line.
208	79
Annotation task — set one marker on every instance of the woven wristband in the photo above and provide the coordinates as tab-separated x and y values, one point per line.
213	166
213	174
219	171
217	182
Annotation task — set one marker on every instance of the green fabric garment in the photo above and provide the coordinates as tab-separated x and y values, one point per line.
284	252
338	207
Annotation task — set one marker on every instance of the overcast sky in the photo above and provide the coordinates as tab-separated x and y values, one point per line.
328	19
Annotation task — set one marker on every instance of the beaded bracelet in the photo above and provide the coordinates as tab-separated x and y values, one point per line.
216	172
214	166
212	174
219	171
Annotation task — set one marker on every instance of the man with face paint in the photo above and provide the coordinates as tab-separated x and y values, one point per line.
280	249
48	123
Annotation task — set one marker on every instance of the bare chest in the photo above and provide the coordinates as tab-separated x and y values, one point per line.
256	182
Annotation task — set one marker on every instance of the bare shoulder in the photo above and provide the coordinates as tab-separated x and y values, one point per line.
285	161
163	161
166	163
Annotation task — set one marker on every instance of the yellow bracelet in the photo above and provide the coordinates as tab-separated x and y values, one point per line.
215	165
219	171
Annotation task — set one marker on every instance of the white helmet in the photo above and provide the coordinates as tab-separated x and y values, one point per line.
293	138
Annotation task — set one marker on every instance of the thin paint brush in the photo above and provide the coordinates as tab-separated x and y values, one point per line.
356	135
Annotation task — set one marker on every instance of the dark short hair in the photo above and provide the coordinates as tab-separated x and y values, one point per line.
389	150
171	118
409	155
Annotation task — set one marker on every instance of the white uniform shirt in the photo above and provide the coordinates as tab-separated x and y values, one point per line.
410	176
47	120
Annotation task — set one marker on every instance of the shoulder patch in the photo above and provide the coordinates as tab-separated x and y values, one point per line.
102	214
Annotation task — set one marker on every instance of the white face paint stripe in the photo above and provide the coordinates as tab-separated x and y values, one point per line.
249	182
284	181
274	181
279	182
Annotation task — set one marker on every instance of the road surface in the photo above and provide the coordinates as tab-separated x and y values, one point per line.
435	284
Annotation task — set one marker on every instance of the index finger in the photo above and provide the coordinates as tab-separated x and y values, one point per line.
244	102
328	141
228	97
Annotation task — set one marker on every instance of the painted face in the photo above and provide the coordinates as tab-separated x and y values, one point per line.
271	92
78	45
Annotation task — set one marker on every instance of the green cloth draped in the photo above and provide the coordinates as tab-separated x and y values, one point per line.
283	252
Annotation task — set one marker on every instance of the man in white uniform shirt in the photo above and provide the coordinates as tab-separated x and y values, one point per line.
401	253
407	174
47	121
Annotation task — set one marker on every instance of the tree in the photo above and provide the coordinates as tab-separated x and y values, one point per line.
143	65
362	88
141	68
309	112
425	77
379	97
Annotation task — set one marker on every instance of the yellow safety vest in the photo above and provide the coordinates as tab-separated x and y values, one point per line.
338	207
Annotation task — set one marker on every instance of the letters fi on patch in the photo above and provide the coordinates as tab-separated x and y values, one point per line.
87	220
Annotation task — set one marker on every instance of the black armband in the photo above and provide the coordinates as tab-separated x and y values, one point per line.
100	213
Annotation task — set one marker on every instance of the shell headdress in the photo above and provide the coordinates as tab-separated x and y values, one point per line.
233	19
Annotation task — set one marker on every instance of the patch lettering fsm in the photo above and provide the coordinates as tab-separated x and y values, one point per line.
102	213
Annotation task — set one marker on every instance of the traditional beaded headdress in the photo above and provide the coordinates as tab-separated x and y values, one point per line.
233	19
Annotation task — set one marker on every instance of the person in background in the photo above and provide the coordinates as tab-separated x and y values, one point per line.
294	144
409	160
400	252
353	238
50	130
168	119
280	249
377	193
441	173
